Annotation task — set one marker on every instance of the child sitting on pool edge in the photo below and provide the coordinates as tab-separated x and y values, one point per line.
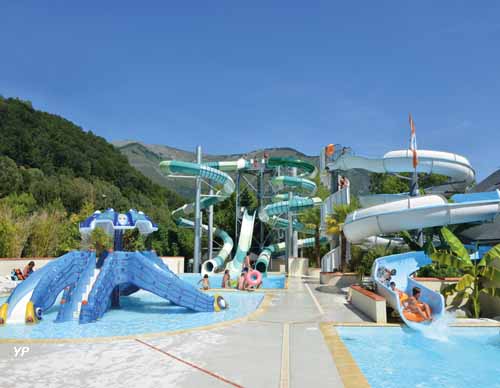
205	283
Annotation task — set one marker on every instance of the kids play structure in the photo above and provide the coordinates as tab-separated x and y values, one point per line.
281	196
91	285
384	215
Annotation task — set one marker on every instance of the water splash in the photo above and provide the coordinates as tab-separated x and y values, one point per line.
439	330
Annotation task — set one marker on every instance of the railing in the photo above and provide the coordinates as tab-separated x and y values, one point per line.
341	197
331	260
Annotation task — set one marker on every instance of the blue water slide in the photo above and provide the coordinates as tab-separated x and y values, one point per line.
405	265
129	288
54	281
25	291
72	297
145	271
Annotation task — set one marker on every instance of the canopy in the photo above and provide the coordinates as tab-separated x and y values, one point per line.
111	220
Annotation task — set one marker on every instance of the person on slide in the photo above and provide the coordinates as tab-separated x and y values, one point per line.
418	307
403	297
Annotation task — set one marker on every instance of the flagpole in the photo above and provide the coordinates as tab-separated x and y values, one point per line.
414	191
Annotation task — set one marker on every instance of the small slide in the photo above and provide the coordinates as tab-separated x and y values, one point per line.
235	266
41	288
405	265
76	293
145	271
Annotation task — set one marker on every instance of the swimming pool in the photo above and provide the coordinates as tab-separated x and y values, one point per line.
140	313
397	357
272	281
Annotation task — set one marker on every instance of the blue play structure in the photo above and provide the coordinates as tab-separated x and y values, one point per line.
91	285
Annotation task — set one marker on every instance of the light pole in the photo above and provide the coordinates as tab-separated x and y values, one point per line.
197	218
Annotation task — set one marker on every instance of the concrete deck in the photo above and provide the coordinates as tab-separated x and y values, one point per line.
282	347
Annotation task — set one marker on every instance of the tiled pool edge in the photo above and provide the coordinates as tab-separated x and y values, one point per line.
263	306
374	324
349	371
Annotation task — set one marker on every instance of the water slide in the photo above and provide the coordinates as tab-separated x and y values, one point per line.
41	288
410	213
217	262
284	203
75	294
235	266
146	271
214	173
454	166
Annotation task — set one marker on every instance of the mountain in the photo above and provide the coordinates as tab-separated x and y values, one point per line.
146	159
54	174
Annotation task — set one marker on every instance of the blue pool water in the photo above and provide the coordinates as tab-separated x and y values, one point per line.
140	313
274	281
397	357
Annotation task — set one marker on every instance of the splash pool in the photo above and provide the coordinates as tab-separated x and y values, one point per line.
271	281
395	357
140	313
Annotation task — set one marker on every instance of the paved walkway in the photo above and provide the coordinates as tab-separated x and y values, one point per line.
282	347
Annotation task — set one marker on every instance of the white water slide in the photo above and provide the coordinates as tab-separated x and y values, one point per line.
235	266
408	213
454	166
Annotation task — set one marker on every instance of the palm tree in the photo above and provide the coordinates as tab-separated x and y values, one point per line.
479	276
335	223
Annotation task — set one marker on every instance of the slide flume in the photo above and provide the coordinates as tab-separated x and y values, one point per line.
395	213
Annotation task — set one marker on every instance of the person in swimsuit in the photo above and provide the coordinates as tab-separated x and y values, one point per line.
205	283
28	270
418	307
242	281
403	297
226	279
246	263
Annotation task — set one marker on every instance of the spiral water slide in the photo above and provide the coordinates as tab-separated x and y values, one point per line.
216	173
283	204
396	214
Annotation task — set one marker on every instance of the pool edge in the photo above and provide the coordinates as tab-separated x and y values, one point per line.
263	306
348	369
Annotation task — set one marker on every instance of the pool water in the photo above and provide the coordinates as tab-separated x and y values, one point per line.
140	313
398	357
273	281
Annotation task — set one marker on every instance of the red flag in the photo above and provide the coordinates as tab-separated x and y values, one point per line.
413	142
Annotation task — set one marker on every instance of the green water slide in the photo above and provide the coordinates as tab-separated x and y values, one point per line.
284	203
216	173
217	178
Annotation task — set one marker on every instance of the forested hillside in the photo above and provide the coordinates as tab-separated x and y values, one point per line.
54	174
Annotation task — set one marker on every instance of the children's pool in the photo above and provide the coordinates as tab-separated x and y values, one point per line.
140	313
272	281
397	357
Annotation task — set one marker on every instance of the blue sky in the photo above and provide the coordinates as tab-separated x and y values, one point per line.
235	76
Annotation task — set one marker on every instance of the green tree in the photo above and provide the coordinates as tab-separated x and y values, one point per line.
133	241
479	276
97	240
10	177
335	223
